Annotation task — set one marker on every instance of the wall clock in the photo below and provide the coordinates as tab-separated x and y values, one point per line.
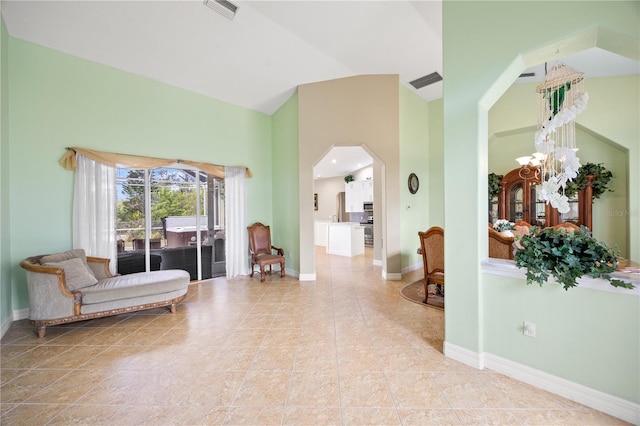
414	183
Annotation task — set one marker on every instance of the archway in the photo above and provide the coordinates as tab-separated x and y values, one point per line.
592	38
328	183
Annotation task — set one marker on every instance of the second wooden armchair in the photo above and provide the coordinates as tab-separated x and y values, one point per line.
262	250
432	247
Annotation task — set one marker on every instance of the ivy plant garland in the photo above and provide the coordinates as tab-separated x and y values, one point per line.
599	184
566	256
494	185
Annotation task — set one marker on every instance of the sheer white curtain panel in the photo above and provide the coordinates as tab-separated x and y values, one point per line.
94	209
237	240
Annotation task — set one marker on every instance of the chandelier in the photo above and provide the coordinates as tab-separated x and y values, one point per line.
562	98
529	165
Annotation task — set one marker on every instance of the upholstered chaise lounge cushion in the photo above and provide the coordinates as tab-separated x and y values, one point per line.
77	274
135	285
70	254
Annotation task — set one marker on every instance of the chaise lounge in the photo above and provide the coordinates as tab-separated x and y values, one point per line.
69	287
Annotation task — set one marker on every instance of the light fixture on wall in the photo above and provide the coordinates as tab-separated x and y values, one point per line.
562	98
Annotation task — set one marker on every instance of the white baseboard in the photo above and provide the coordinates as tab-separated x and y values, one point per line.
377	262
16	315
598	400
291	272
307	277
463	355
20	314
5	326
412	268
391	276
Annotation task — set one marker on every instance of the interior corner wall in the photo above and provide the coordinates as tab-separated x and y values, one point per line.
351	111
414	158
436	163
285	229
5	228
502	31
58	100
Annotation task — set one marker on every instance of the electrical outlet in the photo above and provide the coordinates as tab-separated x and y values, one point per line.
529	329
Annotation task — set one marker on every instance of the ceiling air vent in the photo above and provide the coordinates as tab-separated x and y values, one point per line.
223	7
528	74
421	82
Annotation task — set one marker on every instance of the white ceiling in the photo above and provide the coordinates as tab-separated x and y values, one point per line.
594	63
341	161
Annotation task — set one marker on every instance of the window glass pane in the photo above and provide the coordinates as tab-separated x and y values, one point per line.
174	201
177	197
130	217
515	204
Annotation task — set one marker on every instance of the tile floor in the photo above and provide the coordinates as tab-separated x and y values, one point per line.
346	349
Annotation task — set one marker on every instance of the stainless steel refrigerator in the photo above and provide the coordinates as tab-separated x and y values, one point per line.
341	213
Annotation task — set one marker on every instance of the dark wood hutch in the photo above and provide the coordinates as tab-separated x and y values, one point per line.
519	201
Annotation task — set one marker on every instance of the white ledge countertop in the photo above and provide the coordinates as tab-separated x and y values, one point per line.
508	268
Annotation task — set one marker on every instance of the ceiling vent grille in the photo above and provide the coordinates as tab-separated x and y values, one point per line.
421	82
223	7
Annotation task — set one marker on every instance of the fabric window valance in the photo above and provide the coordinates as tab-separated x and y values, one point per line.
68	161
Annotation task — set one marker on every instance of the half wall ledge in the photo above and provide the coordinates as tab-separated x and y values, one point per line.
508	268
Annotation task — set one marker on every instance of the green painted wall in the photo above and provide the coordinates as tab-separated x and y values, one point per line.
5	228
586	336
518	106
286	218
57	100
436	165
505	34
414	158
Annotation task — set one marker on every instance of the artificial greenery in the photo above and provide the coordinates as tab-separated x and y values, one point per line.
494	185
599	184
348	178
566	255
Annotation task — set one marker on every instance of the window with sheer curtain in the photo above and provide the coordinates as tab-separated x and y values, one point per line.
219	188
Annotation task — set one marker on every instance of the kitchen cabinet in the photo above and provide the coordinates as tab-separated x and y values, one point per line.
321	233
345	239
357	193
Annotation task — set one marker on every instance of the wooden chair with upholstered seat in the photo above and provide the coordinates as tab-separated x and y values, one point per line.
500	246
432	248
262	250
522	228
567	226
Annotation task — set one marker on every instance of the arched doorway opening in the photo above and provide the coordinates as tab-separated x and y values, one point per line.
331	200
